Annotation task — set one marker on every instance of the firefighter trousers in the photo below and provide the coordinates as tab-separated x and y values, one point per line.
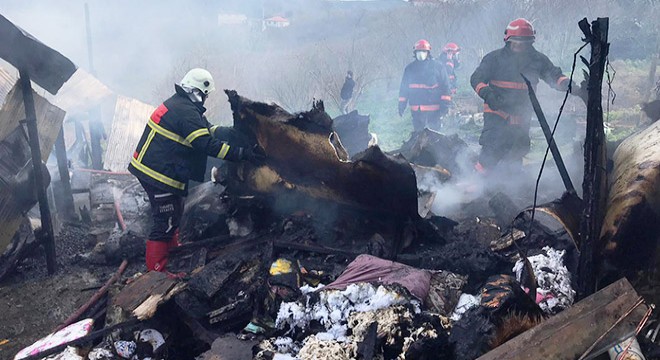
166	211
502	142
426	119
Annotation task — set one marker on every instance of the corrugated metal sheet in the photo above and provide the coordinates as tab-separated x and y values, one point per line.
49	121
80	93
127	125
7	81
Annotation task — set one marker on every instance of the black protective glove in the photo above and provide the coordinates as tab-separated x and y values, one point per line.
492	98
402	107
252	154
580	90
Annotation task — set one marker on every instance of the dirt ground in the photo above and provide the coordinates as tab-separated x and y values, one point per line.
32	303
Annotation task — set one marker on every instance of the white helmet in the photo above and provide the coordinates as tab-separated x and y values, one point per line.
199	79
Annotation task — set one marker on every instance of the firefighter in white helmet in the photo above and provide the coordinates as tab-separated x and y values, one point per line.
173	149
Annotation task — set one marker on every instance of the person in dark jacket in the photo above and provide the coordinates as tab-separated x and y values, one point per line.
507	108
173	150
449	57
346	93
425	87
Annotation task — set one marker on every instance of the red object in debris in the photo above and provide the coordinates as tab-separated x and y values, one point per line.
156	255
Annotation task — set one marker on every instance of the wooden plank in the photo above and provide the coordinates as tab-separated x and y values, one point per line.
568	335
49	121
127	125
151	283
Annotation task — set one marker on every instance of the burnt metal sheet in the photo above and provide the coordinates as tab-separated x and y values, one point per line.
632	221
127	125
46	67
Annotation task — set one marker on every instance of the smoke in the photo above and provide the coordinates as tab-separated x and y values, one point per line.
141	48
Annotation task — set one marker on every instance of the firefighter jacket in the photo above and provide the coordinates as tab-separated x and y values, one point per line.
451	64
425	86
500	72
175	144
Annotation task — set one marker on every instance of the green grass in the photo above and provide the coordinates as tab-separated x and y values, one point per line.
381	105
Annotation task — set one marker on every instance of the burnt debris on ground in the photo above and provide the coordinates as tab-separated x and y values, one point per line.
326	248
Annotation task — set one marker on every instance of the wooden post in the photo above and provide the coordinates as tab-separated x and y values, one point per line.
33	134
594	184
62	165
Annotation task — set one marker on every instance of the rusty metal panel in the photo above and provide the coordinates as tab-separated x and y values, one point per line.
127	125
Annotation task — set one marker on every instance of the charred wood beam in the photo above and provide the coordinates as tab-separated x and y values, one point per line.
565	177
594	182
197	329
217	244
44	209
312	248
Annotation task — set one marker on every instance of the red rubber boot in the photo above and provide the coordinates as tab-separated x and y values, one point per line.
175	239
156	255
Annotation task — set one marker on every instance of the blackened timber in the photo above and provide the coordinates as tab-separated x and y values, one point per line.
33	134
594	183
312	248
62	165
565	177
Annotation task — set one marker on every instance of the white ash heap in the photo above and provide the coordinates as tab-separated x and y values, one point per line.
346	316
554	292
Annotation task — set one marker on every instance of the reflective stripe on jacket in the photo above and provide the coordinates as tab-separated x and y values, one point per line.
500	71
425	86
175	144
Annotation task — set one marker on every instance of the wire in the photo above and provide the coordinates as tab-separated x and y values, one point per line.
552	136
611	94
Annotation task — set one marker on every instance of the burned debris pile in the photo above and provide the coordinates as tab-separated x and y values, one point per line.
315	254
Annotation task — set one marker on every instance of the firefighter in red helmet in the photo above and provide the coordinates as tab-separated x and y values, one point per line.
425	87
507	109
449	57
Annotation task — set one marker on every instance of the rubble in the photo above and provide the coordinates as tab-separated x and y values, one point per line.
330	248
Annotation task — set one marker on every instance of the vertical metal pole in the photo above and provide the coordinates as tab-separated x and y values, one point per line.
33	134
62	165
95	125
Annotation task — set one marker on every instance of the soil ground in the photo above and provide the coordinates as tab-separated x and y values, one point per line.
32	303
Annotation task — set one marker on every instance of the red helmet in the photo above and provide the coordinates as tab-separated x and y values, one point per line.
519	28
422	45
451	47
